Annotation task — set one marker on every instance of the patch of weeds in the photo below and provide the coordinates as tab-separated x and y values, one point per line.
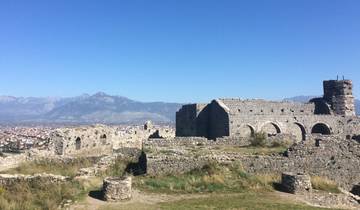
324	184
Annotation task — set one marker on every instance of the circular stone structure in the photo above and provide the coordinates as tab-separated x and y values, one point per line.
295	183
117	188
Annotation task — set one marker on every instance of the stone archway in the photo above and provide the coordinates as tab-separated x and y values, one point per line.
321	128
298	130
271	129
246	131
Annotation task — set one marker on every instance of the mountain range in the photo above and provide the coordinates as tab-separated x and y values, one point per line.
97	108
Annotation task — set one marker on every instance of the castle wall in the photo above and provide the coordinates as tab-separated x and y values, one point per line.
233	118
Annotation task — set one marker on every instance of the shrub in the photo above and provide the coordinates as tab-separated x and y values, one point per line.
258	139
281	143
324	184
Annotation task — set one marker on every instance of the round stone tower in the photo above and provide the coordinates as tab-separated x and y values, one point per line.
338	93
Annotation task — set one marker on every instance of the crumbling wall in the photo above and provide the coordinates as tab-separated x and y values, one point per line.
331	156
338	93
85	140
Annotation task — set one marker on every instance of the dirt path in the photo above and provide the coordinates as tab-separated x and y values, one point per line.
91	203
143	200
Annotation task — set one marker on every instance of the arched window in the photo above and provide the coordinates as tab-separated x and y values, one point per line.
77	143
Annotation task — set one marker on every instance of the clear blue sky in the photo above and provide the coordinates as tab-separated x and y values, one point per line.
177	50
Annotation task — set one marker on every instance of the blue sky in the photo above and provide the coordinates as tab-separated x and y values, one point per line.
177	50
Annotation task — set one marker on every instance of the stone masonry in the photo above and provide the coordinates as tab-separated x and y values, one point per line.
117	189
298	183
331	114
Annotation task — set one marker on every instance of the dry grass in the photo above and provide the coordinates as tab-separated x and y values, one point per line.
211	178
52	166
324	184
38	195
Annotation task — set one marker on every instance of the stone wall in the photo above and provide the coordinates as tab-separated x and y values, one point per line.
334	157
8	180
191	120
331	114
85	140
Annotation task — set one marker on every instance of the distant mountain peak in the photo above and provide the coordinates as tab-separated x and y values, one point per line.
100	94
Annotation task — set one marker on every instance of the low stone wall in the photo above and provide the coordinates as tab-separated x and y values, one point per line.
190	141
163	164
8	180
117	189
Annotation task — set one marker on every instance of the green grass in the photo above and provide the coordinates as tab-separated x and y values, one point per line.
53	167
324	184
241	201
39	195
211	178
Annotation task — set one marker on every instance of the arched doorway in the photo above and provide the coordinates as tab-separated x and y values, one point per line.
298	131
271	129
246	131
321	128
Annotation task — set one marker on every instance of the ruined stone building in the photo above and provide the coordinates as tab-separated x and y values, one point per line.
97	140
86	140
334	113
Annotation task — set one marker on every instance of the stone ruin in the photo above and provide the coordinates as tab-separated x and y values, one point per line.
97	139
334	113
117	189
103	140
296	183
